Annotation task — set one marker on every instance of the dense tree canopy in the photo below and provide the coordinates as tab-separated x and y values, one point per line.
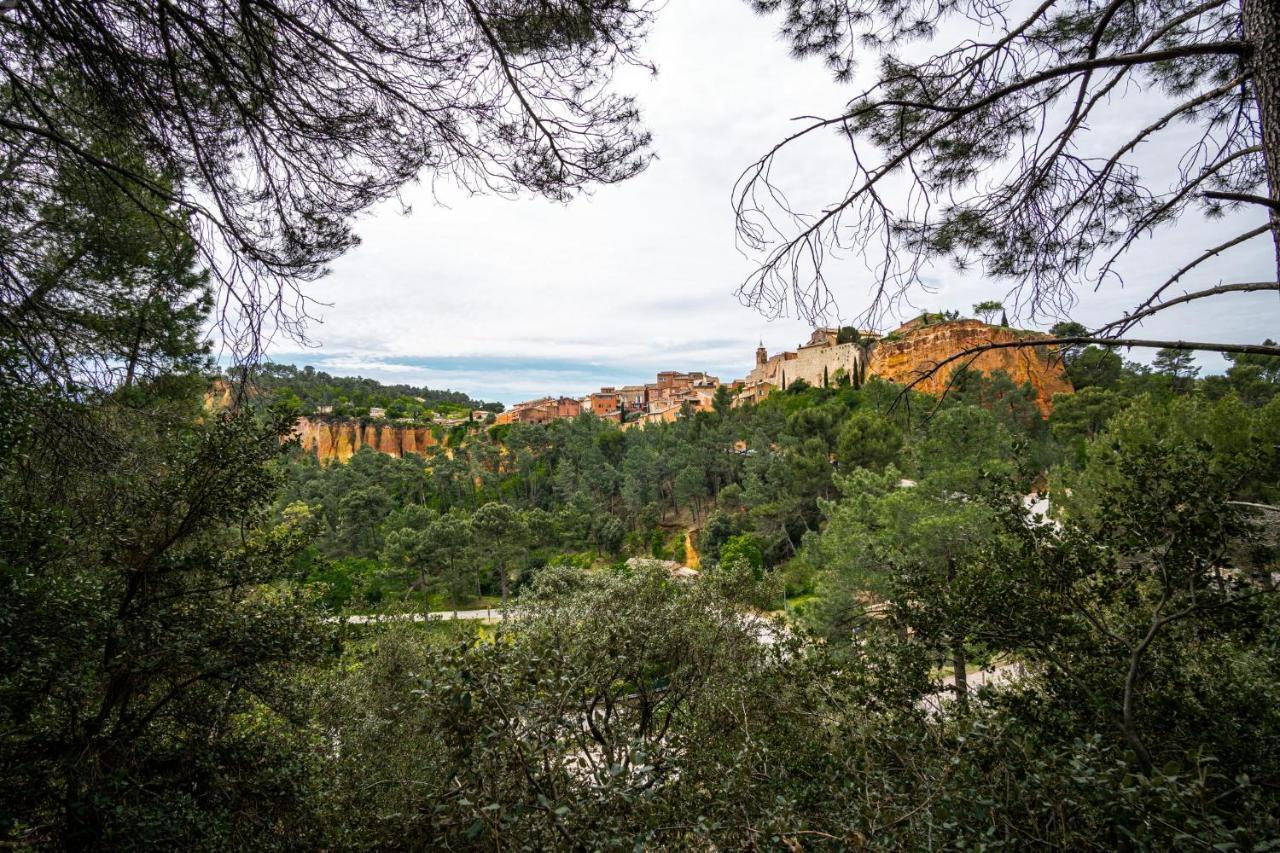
212	641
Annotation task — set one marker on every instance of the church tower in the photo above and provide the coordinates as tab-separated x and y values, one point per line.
762	355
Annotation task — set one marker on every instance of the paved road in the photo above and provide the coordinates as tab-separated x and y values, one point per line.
1001	673
489	615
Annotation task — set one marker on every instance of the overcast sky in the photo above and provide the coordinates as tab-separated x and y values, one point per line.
512	299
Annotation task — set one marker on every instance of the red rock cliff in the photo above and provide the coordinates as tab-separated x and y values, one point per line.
922	347
337	440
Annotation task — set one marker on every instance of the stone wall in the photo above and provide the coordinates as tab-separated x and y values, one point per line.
920	348
338	440
808	363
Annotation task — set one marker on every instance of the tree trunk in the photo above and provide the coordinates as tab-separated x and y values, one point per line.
1262	31
960	667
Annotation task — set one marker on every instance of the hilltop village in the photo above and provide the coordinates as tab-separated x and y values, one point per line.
830	357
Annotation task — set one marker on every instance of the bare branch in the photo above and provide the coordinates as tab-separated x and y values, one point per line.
1206	255
1246	198
1132	319
1075	340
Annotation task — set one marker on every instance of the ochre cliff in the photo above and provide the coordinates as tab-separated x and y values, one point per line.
337	440
921	347
218	397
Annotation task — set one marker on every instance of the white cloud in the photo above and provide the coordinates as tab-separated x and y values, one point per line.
640	276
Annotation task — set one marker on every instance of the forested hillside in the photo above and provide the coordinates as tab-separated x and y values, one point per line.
759	480
841	618
892	540
309	391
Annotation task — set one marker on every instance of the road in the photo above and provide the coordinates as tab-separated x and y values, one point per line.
488	615
1001	673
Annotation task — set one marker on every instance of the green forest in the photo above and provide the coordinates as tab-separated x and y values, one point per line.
913	622
178	673
308	392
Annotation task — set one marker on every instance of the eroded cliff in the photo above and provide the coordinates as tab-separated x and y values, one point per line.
922	347
337	440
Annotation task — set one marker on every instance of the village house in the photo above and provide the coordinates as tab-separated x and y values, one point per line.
663	400
540	411
635	398
604	402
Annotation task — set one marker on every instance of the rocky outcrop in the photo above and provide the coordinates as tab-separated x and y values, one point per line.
218	397
918	348
337	440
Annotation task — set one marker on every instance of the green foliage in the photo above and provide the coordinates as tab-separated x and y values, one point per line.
644	701
797	386
504	536
699	707
315	390
848	335
987	310
1095	366
746	550
964	444
101	288
868	439
1255	379
1078	417
721	526
653	664
1179	365
152	623
346	581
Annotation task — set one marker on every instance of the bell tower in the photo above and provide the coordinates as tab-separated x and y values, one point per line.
762	355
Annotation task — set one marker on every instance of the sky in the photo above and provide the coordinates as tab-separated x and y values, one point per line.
511	299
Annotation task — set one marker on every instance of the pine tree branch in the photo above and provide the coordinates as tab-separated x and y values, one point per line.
1129	320
1120	60
507	72
952	115
1246	198
1206	255
1137	139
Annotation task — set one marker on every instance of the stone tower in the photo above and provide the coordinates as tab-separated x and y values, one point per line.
762	355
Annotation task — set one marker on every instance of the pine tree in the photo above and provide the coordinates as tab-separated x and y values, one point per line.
1179	365
967	151
274	125
987	310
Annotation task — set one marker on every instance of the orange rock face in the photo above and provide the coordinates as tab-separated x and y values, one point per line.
338	440
921	348
218	397
389	440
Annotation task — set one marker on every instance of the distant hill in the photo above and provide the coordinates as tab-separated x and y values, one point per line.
314	392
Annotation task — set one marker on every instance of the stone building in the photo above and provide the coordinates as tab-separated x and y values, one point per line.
906	354
604	402
635	398
819	362
540	411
